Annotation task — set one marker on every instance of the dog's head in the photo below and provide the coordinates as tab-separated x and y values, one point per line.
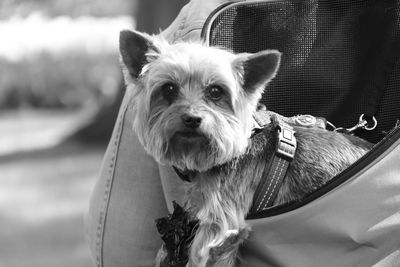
193	104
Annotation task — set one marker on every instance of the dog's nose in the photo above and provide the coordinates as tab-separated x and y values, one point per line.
191	121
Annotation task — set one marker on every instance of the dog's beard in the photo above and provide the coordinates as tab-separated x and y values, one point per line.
202	151
190	150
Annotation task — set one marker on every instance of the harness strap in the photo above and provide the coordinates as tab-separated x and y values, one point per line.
275	171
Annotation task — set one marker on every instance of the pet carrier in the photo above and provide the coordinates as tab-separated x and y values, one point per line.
340	61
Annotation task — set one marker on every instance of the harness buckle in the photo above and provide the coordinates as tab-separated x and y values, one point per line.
287	144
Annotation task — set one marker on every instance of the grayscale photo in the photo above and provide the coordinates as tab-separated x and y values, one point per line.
200	133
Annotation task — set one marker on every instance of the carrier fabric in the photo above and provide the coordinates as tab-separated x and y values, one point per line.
340	57
355	225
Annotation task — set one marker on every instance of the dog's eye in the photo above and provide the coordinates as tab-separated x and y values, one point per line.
170	91
215	92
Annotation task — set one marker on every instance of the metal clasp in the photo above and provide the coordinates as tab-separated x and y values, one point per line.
362	124
286	143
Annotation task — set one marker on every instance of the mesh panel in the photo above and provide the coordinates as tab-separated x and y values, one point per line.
332	50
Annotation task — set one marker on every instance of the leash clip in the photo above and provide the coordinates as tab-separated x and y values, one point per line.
362	124
286	143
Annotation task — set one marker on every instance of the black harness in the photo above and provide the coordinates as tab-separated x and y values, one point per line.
275	172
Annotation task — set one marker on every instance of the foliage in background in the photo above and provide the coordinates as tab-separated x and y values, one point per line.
73	8
77	65
71	80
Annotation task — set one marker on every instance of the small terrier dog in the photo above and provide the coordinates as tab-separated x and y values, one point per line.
194	109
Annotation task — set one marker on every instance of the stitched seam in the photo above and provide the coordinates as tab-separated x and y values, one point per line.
107	191
265	194
276	181
188	31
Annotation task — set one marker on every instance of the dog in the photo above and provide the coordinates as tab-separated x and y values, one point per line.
194	109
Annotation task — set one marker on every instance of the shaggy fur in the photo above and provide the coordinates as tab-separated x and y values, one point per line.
194	108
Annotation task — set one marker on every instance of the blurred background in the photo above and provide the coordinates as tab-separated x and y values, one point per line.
60	91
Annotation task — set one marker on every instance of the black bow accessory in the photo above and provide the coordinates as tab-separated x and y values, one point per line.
177	231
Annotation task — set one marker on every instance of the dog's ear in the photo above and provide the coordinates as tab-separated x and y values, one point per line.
258	69
133	47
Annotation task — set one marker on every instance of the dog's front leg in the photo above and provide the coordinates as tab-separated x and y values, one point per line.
226	254
223	255
161	258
